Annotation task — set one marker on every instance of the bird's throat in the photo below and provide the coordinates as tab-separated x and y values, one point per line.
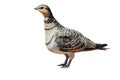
46	18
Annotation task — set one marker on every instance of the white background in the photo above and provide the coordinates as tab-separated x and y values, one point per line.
23	54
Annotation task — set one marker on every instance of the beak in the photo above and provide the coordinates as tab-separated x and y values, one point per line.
35	8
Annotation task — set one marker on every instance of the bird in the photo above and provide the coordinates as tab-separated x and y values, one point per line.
63	40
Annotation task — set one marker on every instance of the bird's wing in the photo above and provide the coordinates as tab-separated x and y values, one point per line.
70	40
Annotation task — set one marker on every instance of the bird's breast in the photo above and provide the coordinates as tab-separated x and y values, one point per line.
49	34
52	46
51	43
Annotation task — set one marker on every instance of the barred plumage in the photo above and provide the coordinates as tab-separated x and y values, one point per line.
70	40
64	40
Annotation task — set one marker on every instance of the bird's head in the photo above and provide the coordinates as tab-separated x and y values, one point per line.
45	10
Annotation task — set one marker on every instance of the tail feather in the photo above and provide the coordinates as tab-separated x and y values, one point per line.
100	46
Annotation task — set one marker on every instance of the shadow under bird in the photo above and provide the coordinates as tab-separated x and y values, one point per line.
63	40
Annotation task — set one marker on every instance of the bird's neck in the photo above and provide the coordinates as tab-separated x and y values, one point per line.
48	19
51	22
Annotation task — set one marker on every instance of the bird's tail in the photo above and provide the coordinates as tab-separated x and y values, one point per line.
101	46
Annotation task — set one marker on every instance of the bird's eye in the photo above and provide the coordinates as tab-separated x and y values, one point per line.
41	7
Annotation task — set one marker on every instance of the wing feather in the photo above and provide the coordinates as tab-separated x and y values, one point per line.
70	40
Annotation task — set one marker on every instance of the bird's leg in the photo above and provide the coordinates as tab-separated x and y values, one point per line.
64	64
69	62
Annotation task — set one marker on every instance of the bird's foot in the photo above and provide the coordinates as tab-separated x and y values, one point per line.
62	65
65	66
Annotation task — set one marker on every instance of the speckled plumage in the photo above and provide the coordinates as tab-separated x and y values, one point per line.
64	40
